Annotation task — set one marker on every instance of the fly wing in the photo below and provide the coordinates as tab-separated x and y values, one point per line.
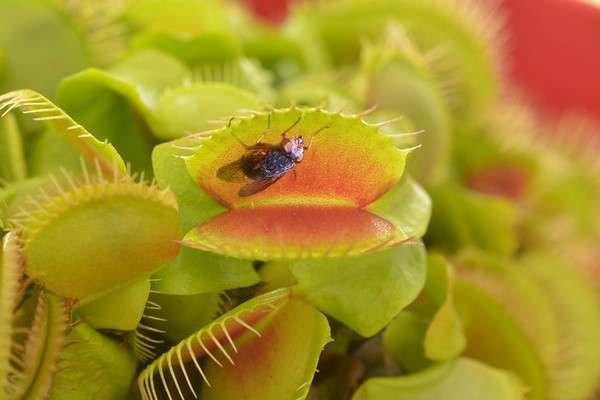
232	172
257	186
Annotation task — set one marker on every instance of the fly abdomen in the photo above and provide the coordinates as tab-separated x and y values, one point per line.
276	163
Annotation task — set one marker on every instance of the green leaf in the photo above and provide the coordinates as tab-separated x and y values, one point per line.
144	75
403	341
444	338
195	205
463	379
185	314
48	154
93	366
120	309
195	271
407	206
275	275
432	329
465	218
364	292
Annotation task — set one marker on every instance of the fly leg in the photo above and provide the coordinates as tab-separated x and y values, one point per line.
260	138
244	145
291	127
313	136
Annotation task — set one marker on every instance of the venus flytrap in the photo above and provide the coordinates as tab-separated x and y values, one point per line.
11	280
316	197
404	263
75	211
311	216
395	75
11	196
59	209
241	72
547	175
521	295
45	341
268	325
40	109
31	319
94	274
217	32
463	39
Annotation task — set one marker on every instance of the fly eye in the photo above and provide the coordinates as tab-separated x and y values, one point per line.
288	146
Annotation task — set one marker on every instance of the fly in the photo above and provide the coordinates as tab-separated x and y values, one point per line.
263	163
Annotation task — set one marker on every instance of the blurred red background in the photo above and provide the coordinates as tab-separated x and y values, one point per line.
554	50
